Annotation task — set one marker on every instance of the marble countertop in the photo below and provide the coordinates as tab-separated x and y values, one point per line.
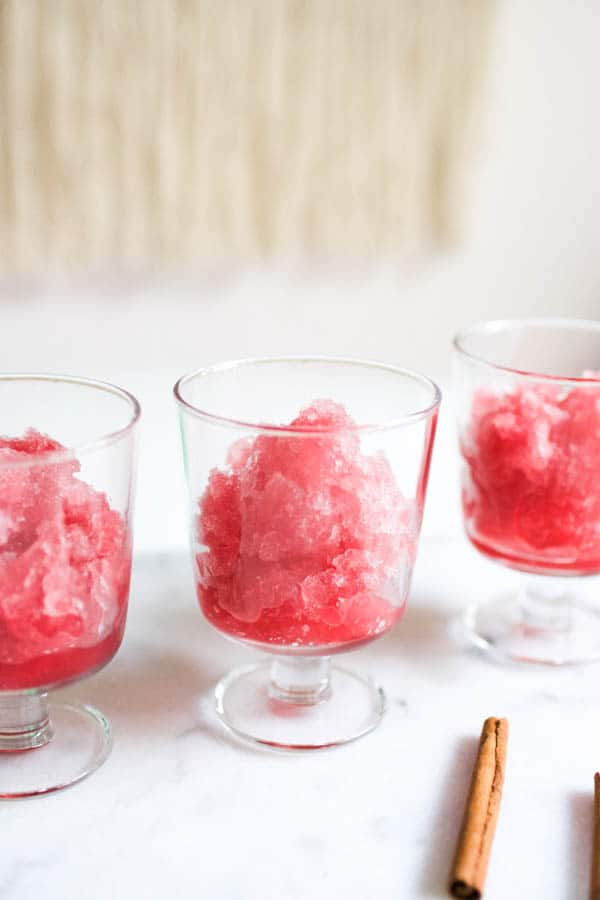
181	810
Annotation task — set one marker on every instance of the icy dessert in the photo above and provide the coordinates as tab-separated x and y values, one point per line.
64	567
305	541
531	488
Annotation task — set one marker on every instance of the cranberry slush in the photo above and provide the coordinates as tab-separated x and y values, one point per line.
304	543
64	567
531	483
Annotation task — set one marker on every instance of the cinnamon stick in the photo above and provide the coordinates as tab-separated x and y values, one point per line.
479	824
595	887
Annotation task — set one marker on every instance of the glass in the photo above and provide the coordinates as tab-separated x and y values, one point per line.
66	473
529	429
307	479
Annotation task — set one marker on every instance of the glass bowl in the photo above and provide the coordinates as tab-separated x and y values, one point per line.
66	473
307	479
529	427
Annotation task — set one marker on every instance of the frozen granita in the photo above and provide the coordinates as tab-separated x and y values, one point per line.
305	541
531	487
64	568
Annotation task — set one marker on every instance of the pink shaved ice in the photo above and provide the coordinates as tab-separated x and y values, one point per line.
305	541
531	488
64	567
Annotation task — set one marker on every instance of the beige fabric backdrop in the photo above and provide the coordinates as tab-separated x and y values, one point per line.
180	132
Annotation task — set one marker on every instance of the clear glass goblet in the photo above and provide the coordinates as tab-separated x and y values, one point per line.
307	479
66	473
529	427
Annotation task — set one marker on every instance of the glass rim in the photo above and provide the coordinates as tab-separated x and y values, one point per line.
67	453
495	326
281	430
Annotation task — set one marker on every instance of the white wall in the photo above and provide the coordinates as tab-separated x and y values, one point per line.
533	246
533	242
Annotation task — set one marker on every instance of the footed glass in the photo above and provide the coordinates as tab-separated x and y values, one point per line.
529	428
66	465
307	479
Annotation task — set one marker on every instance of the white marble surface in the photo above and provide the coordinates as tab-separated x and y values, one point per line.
180	810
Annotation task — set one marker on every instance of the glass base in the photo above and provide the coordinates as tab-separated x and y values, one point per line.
562	634
298	704
45	747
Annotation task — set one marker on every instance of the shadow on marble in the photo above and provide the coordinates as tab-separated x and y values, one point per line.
144	691
580	814
447	819
206	724
422	636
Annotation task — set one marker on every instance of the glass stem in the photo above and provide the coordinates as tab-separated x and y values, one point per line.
24	721
546	603
301	680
